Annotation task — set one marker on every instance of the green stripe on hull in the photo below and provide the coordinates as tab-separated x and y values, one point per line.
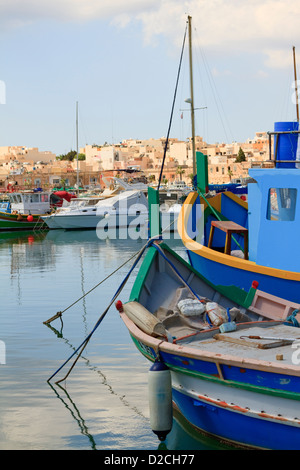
229	383
11	223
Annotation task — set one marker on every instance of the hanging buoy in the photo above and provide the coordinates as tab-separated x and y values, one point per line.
160	399
30	218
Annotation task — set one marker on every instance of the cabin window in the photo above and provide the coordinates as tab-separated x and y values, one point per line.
16	198
35	197
282	204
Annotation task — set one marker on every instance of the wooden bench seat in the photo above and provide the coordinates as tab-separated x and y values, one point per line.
229	228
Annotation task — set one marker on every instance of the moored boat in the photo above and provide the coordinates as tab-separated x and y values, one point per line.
128	209
24	210
234	375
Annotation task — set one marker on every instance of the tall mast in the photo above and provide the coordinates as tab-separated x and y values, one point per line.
77	147
192	95
296	87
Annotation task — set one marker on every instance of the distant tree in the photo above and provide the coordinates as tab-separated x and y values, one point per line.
180	171
63	183
70	156
240	156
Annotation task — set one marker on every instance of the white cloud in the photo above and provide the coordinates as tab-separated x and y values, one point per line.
278	58
270	27
230	26
18	12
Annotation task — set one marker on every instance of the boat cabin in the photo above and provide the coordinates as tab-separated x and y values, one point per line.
274	217
5	207
30	203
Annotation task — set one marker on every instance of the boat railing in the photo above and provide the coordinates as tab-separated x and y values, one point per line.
276	134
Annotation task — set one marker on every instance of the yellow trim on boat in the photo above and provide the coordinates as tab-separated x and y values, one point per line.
221	258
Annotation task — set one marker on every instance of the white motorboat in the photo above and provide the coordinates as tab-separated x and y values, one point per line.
127	209
86	213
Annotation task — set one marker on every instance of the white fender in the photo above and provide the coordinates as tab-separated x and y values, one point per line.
160	399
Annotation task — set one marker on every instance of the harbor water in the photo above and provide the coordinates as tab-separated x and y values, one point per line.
103	403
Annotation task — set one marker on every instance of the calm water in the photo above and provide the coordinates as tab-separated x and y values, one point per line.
103	404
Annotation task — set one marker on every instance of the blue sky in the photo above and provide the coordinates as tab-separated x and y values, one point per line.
119	60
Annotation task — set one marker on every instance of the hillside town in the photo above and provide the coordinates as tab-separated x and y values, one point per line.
29	168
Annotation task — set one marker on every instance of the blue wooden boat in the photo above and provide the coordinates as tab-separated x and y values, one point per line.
236	380
224	351
269	222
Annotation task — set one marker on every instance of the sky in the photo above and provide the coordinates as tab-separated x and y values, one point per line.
119	61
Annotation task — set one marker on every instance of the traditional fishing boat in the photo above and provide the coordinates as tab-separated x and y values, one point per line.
226	354
227	357
24	210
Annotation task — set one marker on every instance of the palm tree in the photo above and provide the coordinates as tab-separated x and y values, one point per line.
180	171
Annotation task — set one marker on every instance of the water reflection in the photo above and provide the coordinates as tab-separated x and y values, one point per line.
75	413
103	404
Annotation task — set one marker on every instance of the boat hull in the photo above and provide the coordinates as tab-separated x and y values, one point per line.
102	223
239	427
235	392
10	222
81	222
226	274
229	402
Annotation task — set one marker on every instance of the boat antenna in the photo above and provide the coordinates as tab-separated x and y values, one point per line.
169	129
192	94
77	147
296	87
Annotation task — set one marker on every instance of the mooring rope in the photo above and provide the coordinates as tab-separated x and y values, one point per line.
175	270
84	343
59	314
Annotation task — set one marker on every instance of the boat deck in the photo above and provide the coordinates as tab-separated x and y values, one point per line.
280	343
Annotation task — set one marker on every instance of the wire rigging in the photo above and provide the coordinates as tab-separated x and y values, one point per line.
172	112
